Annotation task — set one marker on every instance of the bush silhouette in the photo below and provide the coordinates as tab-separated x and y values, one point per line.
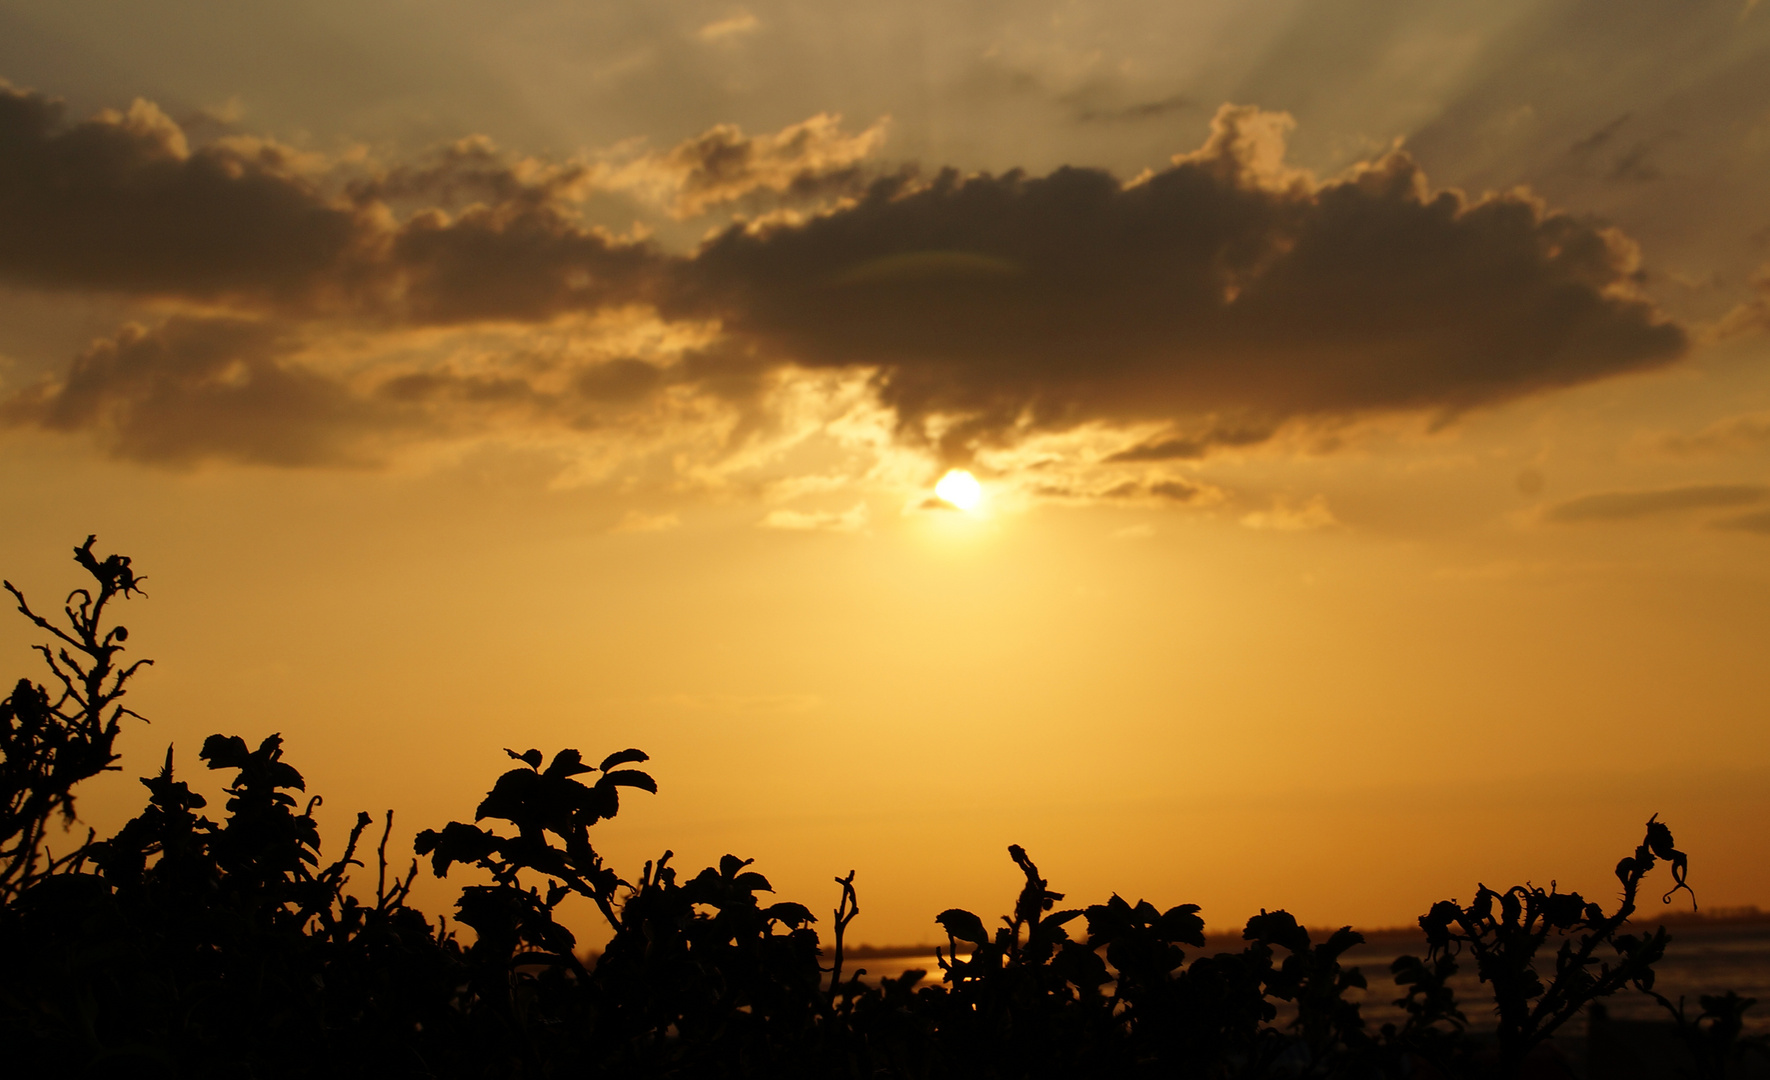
185	946
52	744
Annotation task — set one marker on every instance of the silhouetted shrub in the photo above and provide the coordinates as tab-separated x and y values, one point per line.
189	947
50	743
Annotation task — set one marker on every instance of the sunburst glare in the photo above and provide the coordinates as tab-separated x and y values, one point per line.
961	489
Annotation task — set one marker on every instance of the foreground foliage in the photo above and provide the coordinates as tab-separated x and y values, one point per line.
185	946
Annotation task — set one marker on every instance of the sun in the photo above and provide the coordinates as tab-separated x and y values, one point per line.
961	489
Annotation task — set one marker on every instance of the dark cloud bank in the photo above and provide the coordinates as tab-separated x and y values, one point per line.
120	203
1224	295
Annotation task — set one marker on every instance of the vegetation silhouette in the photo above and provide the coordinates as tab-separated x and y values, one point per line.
185	946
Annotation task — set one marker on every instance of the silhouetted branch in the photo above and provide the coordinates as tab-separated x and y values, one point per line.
847	908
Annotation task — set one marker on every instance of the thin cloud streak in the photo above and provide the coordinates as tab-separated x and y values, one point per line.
1635	505
1756	522
1728	435
851	520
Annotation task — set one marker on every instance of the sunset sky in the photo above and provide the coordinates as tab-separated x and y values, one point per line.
1370	402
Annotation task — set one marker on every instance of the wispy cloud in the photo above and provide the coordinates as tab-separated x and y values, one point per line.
1751	317
1089	111
1634	505
1755	522
847	521
732	26
1728	435
1285	516
1188	447
812	160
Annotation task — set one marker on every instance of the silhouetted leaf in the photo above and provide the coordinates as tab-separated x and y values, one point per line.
1277	928
1182	923
225	752
458	842
789	913
623	757
516	798
630	778
1058	918
1339	941
963	925
567	763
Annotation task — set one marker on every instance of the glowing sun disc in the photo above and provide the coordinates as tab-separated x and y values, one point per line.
961	489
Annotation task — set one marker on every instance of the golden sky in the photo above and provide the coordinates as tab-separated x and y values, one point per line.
1369	401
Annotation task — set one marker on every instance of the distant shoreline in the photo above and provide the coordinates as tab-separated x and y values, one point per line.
1231	940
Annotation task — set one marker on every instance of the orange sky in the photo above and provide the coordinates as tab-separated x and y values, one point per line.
1370	406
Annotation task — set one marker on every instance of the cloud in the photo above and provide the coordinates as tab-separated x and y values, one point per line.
1633	505
1599	139
473	169
813	159
195	389
1728	435
1186	448
1077	83
1226	286
1751	317
516	263
852	520
1755	522
1213	302
1171	490
1634	165
732	26
122	203
1093	487
1087	111
1310	515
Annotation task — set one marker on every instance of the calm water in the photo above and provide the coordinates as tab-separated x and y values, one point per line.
1700	960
